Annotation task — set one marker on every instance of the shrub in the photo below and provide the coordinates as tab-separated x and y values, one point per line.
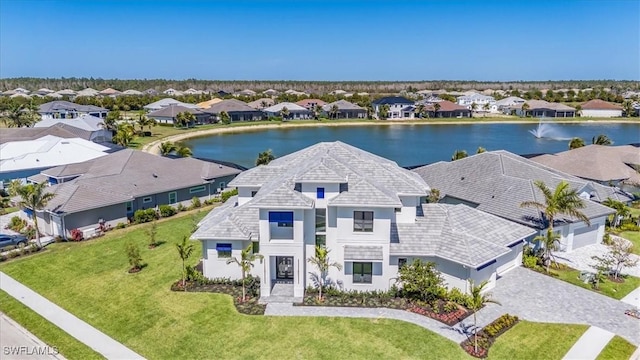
167	210
530	261
29	232
133	253
181	207
77	235
227	194
500	325
195	202
121	226
458	297
17	223
421	281
143	216
194	275
629	227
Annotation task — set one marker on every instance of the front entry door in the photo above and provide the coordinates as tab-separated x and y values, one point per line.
284	268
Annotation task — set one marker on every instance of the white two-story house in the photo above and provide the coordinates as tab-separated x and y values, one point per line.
483	103
368	211
398	107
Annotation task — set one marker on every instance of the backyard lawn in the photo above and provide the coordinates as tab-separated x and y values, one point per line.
534	341
90	280
617	348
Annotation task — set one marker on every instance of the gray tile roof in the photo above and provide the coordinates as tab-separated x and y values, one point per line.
457	233
229	105
60	130
342	105
499	181
229	222
85	122
281	197
359	253
126	175
542	104
61	105
173	110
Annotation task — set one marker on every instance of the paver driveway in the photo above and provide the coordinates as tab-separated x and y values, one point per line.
537	297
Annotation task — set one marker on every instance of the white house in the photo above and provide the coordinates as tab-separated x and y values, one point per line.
365	209
483	103
60	109
508	104
93	125
600	108
295	111
398	107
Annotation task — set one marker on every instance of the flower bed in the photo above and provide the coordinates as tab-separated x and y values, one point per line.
488	335
229	287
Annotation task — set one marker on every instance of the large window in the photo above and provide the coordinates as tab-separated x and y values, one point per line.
197	189
362	272
321	220
363	221
173	197
129	206
282	218
224	250
321	240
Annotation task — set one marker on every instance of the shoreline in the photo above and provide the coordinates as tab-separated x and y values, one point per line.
154	146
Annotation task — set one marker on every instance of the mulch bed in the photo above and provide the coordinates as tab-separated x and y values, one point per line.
248	307
486	340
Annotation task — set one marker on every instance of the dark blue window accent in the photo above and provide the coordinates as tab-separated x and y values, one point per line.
281	216
53	180
320	193
29	212
223	247
487	264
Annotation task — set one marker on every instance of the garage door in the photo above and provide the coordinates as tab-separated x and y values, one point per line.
510	261
584	236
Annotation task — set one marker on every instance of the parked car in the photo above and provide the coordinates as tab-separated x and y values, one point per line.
12	240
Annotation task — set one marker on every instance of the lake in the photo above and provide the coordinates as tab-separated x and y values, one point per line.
409	144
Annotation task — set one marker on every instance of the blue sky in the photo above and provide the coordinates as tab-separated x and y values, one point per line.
322	40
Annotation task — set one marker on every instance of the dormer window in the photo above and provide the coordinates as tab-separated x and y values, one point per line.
320	193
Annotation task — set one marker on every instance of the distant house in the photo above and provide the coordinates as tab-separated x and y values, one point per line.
60	109
296	92
167	115
310	104
221	93
541	108
110	189
94	125
109	92
448	109
170	92
399	107
236	109
151	92
295	111
338	92
346	110
207	104
246	92
43	92
600	108
66	92
162	103
192	91
483	103
261	103
509	104
132	92
270	92
88	92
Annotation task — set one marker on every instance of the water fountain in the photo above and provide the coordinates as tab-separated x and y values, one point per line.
549	131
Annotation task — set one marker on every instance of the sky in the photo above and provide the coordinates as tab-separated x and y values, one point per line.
322	40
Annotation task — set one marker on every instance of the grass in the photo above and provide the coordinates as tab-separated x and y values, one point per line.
160	131
634	237
9	210
608	288
90	280
50	334
617	348
528	340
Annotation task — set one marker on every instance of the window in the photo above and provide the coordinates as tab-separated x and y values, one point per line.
321	240
146	200
321	220
363	221
223	185
253	193
129	206
197	189
173	197
362	272
320	193
255	247
402	262
397	210
283	218
224	250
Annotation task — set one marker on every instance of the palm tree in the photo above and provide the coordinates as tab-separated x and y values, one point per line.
628	108
142	120
188	118
185	249
323	264
183	150
225	118
13	187
621	209
370	111
459	154
124	134
562	201
436	108
317	110
434	196
601	140
34	197
247	257
14	116
575	143
477	300
525	108
383	112
334	111
480	150
167	148
284	113
474	107
178	120
265	157
420	110
486	107
549	243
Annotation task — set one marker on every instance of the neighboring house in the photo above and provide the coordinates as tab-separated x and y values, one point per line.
246	92
66	92
600	108
60	109
162	103
338	92
21	159
109	92
541	108
20	95
55	95
399	107
261	103
508	104
497	182
43	92
132	92
191	91
88	92
167	115
607	165
110	189
310	104
480	102
448	109
94	125
207	104
295	92
295	111
270	92
346	110
151	91
365	209
170	92
236	109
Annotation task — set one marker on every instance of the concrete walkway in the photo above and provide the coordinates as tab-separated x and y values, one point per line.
75	327
589	345
452	333
17	343
633	298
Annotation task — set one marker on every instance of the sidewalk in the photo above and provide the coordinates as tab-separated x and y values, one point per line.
77	328
633	298
589	345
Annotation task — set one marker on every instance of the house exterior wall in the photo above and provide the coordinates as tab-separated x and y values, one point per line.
601	113
567	232
217	267
112	215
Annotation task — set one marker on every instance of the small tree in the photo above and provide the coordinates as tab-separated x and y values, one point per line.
436	109
323	264
225	118
459	154
152	232
265	157
183	150
284	113
618	257
477	300
434	195
34	197
549	243
135	260
525	108
185	249
167	148
420	280
247	257
575	143
383	112
480	150
621	209
601	140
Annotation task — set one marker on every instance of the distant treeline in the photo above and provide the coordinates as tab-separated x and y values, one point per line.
316	87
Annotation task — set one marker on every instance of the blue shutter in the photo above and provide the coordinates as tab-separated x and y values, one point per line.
281	217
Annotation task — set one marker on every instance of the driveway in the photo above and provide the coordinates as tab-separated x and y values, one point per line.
537	297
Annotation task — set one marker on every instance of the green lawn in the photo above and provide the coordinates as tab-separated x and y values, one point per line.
608	288
528	340
90	280
50	334
634	237
617	348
